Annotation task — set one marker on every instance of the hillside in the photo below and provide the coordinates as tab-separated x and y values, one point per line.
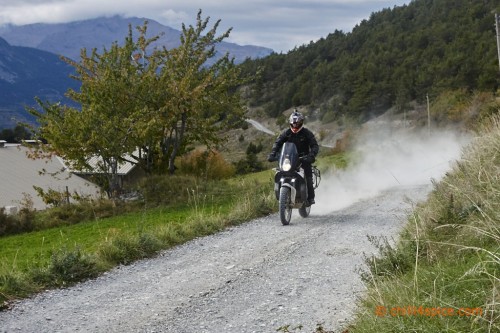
394	57
25	73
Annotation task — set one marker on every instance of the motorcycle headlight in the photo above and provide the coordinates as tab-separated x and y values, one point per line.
286	164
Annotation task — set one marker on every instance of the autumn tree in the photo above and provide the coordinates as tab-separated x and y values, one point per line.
143	104
194	101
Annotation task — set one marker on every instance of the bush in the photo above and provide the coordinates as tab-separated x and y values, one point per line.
206	165
82	211
52	197
166	189
125	249
392	260
13	285
71	266
15	224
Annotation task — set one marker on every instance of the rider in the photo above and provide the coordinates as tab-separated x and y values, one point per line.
306	144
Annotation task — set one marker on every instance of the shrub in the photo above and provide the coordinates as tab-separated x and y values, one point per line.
166	189
71	266
392	260
52	197
81	211
206	164
125	249
13	285
15	224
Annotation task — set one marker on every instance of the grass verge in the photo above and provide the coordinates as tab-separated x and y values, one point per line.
443	273
61	256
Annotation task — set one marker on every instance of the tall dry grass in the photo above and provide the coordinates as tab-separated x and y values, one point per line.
443	273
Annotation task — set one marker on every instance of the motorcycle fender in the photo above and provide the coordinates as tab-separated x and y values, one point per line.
293	191
303	191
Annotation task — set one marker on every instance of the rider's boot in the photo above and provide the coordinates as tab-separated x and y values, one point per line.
310	191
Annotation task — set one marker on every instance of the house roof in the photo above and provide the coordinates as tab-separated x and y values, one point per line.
18	175
123	168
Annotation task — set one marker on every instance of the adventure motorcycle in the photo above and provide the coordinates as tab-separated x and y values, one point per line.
290	186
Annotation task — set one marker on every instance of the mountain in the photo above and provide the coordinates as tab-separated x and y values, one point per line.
69	38
25	73
30	64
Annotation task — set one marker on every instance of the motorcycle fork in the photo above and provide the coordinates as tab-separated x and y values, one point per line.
291	185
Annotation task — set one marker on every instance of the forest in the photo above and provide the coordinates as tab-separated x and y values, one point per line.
396	56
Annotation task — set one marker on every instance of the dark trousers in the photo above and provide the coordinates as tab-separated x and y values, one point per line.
309	179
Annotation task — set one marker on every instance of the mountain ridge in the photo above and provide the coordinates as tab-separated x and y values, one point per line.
69	38
30	64
26	73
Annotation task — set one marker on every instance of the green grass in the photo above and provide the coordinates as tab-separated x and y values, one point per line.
42	259
55	256
20	252
64	254
32	261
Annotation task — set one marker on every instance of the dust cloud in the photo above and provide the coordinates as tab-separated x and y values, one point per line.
386	160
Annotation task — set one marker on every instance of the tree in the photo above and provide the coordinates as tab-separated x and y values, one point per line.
144	106
195	101
397	56
15	135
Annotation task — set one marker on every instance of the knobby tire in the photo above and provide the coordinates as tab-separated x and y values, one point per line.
285	205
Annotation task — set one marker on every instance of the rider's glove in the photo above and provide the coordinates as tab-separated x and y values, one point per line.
272	157
310	158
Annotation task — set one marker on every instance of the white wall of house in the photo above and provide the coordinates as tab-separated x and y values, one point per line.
18	175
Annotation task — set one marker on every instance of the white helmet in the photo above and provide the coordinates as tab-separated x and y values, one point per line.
296	121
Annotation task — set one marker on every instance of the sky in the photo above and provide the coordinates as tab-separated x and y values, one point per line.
277	24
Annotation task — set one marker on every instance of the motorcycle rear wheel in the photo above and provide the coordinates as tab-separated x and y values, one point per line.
304	210
285	205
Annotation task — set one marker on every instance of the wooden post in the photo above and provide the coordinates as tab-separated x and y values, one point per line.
428	116
498	37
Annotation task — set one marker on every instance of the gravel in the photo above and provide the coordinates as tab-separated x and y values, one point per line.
256	277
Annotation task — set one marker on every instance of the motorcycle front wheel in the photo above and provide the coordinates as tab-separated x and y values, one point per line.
285	205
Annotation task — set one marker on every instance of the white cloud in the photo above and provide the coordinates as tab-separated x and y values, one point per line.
280	25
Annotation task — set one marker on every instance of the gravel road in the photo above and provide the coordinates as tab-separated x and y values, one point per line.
260	127
256	277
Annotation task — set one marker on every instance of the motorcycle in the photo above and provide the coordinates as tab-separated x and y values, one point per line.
290	186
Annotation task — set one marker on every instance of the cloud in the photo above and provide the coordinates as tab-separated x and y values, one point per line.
280	25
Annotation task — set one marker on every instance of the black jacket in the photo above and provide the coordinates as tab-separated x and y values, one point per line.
304	140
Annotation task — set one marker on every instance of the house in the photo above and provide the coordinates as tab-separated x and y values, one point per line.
19	173
126	172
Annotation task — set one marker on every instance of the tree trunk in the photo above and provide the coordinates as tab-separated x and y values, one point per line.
179	137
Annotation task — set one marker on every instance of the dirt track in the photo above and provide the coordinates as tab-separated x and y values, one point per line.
253	278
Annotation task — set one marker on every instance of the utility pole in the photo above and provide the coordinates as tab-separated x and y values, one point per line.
497	24
428	116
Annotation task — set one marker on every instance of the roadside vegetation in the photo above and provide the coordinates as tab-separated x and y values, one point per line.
70	243
442	274
66	252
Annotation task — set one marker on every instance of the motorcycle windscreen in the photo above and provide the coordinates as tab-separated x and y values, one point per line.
289	155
